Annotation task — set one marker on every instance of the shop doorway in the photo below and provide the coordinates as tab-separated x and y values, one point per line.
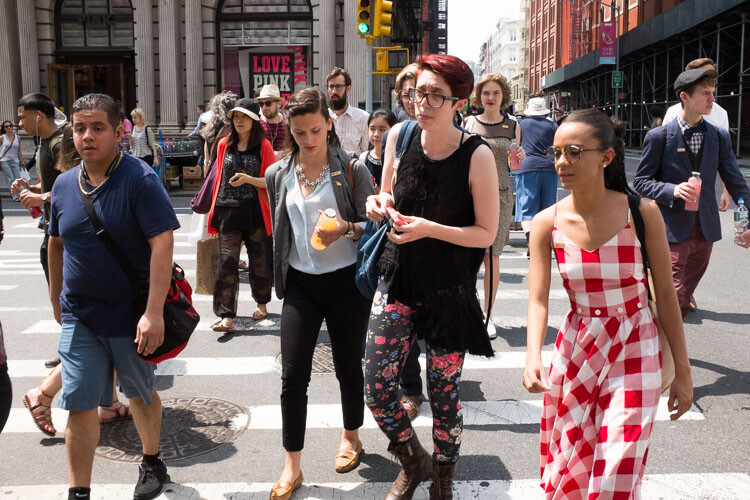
94	52
68	82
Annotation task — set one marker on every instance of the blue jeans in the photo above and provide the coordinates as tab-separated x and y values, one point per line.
11	172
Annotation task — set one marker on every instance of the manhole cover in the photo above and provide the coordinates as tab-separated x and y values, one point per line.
322	360
190	427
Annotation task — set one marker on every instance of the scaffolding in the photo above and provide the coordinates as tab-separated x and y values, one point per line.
650	73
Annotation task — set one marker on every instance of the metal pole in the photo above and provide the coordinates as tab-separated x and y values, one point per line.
617	62
368	78
739	98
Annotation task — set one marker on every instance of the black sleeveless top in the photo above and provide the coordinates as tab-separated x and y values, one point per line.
436	278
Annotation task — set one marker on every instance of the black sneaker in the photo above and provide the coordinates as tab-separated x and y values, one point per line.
151	479
52	362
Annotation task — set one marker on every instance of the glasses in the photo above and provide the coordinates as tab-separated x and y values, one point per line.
9	126
433	100
266	104
572	152
335	86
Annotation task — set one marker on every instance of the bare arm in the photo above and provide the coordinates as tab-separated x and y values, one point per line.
377	203
534	376
150	333
55	262
667	306
483	185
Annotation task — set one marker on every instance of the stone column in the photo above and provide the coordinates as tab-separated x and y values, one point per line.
327	40
355	52
29	48
170	74
10	88
144	58
193	58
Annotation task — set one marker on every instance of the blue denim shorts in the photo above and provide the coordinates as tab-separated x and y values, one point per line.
87	363
535	191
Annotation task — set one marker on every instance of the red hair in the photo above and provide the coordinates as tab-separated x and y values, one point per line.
454	71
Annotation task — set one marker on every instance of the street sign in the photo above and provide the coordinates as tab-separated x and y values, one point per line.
617	79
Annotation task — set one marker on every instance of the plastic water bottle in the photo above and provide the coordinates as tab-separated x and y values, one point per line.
695	180
740	222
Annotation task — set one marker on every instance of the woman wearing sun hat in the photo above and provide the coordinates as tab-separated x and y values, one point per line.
240	213
536	183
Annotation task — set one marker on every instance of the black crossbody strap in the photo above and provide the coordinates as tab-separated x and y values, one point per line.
106	239
640	229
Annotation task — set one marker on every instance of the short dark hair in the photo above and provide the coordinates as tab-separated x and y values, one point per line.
202	107
339	72
38	102
384	113
97	102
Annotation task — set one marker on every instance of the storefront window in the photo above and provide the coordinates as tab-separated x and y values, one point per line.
262	42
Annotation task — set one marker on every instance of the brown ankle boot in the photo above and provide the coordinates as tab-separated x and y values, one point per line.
415	468
442	481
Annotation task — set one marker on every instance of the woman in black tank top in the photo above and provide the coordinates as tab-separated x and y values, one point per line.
444	191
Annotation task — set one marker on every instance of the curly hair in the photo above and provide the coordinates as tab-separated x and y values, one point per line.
219	105
476	97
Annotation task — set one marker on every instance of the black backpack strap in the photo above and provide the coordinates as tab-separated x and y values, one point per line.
634	202
404	136
106	239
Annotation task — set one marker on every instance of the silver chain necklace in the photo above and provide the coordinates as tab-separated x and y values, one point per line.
307	182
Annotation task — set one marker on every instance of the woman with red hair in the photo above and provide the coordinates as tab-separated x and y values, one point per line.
442	198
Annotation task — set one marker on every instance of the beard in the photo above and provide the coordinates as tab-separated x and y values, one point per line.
338	104
271	114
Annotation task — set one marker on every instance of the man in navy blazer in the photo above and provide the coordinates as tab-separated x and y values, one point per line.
670	153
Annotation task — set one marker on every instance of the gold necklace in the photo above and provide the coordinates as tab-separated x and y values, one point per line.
81	181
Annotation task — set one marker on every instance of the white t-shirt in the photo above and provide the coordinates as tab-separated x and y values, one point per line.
718	116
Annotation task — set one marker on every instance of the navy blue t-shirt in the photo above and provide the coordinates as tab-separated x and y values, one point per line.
537	134
133	206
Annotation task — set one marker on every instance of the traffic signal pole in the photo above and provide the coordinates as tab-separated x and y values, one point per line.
368	78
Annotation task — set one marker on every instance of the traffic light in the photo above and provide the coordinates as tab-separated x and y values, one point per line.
364	19
391	60
382	18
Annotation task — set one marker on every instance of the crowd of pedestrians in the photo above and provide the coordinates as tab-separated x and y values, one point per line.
296	182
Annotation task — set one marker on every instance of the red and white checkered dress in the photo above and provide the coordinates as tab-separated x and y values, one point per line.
605	374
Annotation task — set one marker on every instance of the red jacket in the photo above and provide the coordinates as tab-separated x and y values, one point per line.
266	159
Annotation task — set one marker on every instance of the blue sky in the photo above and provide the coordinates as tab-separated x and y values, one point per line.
470	23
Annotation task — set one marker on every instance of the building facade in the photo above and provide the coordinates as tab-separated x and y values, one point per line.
657	39
504	53
168	56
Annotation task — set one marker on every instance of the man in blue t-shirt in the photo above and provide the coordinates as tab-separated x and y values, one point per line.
92	297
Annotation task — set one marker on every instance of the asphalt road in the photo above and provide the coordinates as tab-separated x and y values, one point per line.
222	430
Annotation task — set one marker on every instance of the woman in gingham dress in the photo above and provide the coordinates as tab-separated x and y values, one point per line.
605	377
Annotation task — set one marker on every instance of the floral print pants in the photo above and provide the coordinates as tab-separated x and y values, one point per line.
389	338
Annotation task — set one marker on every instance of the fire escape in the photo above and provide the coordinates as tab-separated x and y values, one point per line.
421	25
575	49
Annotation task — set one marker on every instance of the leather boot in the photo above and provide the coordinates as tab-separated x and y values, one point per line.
415	468
442	481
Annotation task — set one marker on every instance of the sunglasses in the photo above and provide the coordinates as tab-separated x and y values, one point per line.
9	126
266	104
572	152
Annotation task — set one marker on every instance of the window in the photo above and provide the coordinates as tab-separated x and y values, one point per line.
512	35
513	55
95	24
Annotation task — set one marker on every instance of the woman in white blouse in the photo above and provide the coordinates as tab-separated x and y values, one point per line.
142	139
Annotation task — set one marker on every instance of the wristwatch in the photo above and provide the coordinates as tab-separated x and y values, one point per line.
45	197
350	233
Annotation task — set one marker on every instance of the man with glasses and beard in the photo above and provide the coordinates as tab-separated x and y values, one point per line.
271	118
350	122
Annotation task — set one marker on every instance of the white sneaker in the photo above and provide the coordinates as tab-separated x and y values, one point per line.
491	331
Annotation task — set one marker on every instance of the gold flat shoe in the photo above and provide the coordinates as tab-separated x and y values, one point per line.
347	460
283	490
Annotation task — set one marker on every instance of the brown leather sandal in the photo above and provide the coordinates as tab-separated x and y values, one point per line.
42	419
121	411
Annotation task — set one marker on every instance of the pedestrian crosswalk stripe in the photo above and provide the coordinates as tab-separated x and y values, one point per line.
43	326
257	365
328	416
727	486
20	272
7	288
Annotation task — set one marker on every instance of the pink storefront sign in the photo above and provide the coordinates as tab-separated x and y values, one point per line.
607	42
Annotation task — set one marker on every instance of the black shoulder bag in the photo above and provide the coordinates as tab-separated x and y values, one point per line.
180	317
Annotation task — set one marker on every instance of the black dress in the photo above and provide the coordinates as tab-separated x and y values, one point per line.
436	278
